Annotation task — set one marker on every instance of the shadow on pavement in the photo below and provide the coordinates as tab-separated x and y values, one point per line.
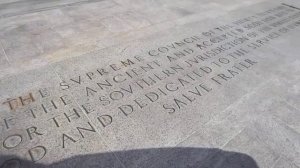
156	158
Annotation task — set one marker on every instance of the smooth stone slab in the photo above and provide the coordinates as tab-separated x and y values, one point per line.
92	35
283	162
171	99
29	6
154	110
48	125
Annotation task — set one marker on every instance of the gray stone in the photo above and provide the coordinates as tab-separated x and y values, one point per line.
282	162
149	84
249	142
53	121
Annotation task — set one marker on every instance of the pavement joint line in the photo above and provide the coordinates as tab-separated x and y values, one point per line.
285	124
291	6
48	8
275	163
288	127
187	137
292	106
6	57
233	137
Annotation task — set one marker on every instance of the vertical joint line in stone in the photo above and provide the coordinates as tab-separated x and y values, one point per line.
290	6
2	48
234	136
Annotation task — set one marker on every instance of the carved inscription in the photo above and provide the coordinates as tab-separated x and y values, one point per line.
171	78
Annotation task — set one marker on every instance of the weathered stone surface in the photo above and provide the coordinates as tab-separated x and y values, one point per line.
150	84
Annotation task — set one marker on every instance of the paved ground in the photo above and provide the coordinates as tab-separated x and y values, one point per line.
83	26
127	83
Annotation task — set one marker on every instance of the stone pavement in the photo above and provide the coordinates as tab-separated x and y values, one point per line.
131	84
